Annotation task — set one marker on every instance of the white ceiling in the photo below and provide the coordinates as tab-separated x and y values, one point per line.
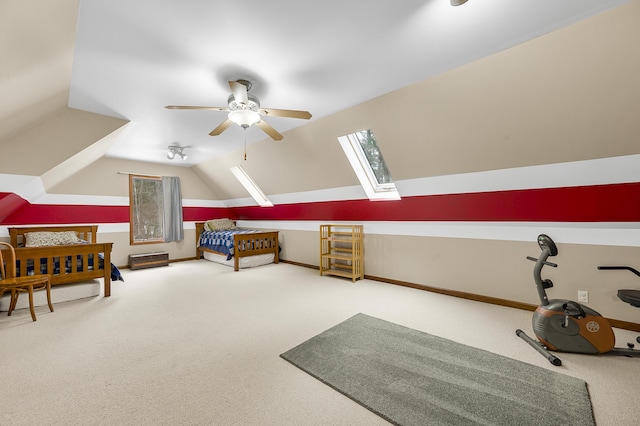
134	57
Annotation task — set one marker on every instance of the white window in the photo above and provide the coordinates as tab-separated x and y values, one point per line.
251	186
361	148
146	208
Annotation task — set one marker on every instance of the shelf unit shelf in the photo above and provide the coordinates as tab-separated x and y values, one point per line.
342	251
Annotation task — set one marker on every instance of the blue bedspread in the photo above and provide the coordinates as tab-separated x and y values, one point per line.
31	270
222	241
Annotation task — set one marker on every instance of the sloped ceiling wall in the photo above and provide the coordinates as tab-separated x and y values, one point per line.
38	132
52	140
104	174
36	71
567	96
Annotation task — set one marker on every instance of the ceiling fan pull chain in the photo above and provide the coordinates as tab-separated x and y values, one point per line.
245	144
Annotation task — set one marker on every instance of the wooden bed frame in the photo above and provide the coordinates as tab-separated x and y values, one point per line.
84	232
245	245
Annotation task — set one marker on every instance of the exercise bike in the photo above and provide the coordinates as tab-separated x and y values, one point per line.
567	326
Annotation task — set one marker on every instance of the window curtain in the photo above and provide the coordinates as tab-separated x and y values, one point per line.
173	229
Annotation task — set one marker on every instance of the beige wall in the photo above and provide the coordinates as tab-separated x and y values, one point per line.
121	250
489	267
567	96
36	70
106	181
49	142
102	178
185	249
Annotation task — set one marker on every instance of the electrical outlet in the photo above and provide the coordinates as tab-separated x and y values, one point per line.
583	296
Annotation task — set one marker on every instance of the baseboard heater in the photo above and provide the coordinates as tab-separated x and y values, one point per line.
148	260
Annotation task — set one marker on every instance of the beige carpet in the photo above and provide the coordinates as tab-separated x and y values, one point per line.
196	343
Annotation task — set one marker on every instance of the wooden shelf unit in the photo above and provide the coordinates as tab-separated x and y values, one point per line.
342	251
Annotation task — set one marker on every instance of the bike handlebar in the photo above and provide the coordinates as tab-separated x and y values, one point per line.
628	268
545	262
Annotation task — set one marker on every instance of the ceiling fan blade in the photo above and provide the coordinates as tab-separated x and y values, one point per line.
285	113
212	108
239	91
266	127
221	128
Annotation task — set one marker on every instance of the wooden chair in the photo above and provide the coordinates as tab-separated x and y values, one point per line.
17	285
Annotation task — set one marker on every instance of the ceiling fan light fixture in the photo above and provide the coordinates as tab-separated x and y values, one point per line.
244	118
244	110
457	2
176	150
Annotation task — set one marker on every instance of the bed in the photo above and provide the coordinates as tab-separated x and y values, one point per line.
238	246
70	261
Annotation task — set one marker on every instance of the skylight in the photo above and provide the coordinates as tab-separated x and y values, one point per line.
362	151
251	186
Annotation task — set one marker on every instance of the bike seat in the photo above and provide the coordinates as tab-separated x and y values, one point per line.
631	297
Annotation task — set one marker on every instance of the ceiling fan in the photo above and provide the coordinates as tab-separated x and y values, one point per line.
244	110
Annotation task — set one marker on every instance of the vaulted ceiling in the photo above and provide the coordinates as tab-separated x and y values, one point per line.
125	60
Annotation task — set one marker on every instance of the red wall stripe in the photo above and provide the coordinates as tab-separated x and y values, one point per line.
200	214
10	202
598	203
62	214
